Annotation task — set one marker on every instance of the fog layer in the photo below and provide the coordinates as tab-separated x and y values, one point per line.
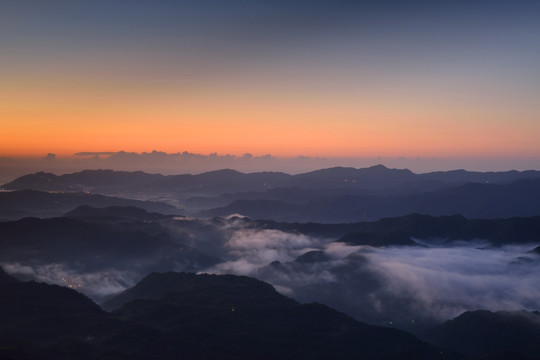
409	287
404	286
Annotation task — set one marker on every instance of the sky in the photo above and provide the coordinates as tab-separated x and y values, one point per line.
332	79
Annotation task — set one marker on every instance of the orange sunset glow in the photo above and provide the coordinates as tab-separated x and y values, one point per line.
356	89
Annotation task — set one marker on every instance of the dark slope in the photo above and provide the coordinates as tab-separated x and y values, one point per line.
5	277
218	182
328	195
190	317
155	285
92	246
505	334
378	239
464	176
18	204
109	181
303	195
36	316
114	213
396	231
48	322
292	195
232	317
374	177
84	180
472	200
400	230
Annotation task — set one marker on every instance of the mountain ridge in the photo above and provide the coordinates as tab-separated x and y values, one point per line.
480	332
371	177
473	200
25	203
204	316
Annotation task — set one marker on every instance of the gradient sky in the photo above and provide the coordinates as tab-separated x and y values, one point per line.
310	77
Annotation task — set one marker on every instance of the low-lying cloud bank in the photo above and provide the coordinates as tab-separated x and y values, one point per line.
410	287
95	284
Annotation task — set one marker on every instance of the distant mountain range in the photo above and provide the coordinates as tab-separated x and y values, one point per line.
473	200
329	195
335	236
223	181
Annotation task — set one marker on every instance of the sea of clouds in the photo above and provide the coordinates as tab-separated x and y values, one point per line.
404	286
409	287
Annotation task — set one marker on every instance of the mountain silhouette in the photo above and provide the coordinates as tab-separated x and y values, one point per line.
226	181
111	213
41	321
503	334
229	316
337	194
473	200
94	246
400	230
190	316
18	204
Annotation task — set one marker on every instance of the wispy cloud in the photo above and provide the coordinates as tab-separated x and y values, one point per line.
402	285
95	284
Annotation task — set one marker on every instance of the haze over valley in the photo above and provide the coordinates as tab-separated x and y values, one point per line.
387	247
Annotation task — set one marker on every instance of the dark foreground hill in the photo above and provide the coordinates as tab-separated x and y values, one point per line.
504	334
234	317
40	321
190	316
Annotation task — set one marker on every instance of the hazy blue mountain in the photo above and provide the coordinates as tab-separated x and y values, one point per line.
109	181
89	246
219	182
24	203
464	176
84	180
473	200
505	334
373	177
328	195
395	231
114	213
302	195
